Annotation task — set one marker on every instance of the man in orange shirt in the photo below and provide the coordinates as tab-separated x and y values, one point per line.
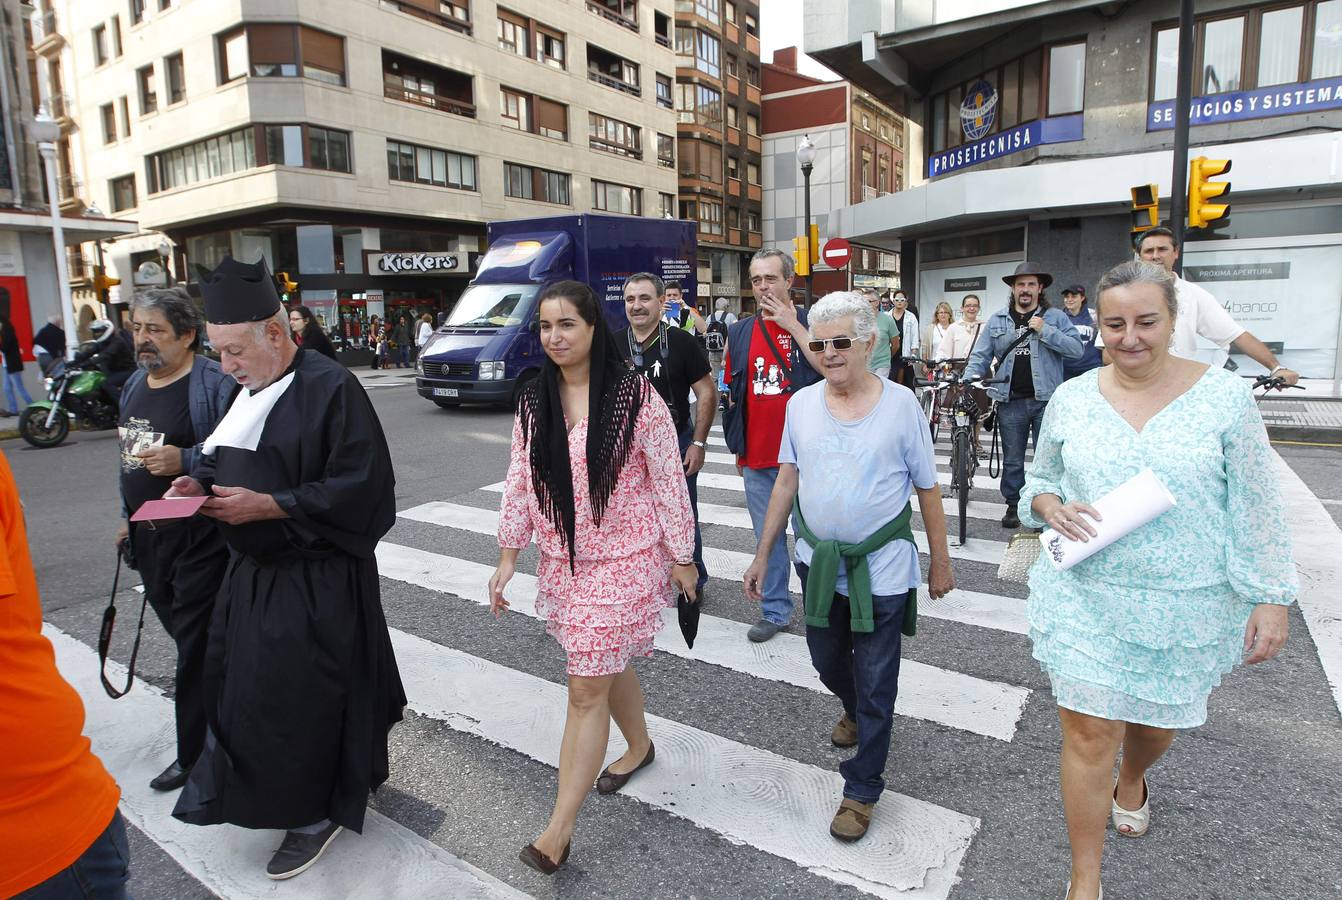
59	826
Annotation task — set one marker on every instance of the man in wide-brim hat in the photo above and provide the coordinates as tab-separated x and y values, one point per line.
1031	341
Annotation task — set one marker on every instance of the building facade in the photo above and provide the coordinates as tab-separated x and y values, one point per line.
1030	123
859	156
719	144
361	145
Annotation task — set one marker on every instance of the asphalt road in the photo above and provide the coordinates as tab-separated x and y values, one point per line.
1244	807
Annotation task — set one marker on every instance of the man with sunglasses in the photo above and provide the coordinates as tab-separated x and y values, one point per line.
676	364
766	362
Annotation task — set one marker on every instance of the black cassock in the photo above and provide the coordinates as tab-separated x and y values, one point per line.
300	677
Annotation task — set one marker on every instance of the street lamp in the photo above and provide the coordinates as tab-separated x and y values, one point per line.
164	251
806	156
45	132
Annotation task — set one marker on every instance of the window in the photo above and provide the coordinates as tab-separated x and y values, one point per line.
666	151
328	149
1327	61
616	198
734	218
528	112
284	145
732	113
733	168
202	160
550	47
710	216
752	221
108	112
729	64
699	104
752	74
752	26
700	159
515	109
1066	79
529	183
613	71
666	206
124	103
164	4
425	165
664	91
866	122
136	12
410	80
323	148
708	9
116	36
100	56
753	173
1279	46
148	95
699	50
122	192
322	55
232	53
175	75
514	34
752	124
729	12
1222	53
613	136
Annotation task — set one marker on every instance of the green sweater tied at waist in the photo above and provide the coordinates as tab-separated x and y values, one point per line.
823	578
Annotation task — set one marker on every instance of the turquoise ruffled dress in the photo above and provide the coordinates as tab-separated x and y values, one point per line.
1142	631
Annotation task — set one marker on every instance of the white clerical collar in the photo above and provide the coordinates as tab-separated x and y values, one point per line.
242	425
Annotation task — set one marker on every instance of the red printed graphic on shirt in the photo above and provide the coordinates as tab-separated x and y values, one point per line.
766	396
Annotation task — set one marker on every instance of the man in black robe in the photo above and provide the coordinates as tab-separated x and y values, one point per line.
301	680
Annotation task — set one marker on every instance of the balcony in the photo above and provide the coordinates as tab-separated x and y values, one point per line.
46	38
752	94
613	71
410	80
753	143
753	192
454	15
756	240
622	12
619	149
869	192
732	34
61	108
68	187
732	84
752	45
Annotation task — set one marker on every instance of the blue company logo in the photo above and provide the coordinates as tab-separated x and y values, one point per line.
1057	130
979	110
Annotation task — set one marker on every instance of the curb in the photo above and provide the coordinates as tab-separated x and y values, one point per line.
1305	434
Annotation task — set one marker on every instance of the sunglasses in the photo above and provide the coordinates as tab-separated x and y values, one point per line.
840	343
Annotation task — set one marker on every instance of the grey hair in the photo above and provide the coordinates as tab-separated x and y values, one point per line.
789	268
176	306
841	305
1139	271
722	304
281	318
869	292
658	286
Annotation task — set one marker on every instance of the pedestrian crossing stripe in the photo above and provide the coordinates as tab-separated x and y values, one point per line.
135	737
927	692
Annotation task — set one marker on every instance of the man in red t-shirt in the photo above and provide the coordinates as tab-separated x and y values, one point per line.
60	830
766	360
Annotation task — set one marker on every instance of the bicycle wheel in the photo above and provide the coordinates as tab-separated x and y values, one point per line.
962	464
934	417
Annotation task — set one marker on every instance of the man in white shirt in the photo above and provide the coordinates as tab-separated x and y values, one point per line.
1200	314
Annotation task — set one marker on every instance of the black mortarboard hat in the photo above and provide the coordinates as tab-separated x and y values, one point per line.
239	292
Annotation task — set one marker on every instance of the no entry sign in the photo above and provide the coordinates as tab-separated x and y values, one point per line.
837	252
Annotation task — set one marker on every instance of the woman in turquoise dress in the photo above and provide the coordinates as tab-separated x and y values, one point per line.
1134	638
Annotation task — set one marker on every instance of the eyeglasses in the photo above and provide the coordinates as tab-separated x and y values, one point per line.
840	343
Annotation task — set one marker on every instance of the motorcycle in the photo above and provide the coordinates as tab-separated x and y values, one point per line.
74	391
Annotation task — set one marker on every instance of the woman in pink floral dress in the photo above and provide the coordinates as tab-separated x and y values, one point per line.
596	479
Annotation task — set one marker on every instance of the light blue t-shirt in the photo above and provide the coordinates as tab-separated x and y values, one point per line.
854	477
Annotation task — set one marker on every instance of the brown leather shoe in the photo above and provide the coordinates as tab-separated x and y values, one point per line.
852	820
610	782
540	862
845	733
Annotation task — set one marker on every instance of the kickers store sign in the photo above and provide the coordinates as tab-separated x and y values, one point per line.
453	263
1263	103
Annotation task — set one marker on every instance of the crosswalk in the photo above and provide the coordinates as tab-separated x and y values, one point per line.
749	795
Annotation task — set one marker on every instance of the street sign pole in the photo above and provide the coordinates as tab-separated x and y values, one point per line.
1184	92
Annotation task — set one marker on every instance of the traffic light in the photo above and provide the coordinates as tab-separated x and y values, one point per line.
1145	209
102	282
815	245
286	286
801	254
1201	190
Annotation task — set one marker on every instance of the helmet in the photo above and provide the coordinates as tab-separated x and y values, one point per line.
101	329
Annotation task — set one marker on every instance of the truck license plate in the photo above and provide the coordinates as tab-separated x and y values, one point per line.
445	392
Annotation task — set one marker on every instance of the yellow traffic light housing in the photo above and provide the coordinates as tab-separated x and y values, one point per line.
801	255
1145	209
286	286
102	281
815	245
1202	213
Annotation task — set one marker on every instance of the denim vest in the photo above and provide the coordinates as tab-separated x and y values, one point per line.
739	335
1056	341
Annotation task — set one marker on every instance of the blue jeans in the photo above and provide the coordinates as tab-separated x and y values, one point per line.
777	606
692	482
862	670
1020	420
405	355
13	384
99	874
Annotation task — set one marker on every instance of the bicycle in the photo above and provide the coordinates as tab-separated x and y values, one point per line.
1270	383
964	414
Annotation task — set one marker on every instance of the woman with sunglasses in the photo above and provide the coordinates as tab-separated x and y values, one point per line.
596	479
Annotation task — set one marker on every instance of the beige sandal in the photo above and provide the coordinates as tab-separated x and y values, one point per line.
1132	822
1068	895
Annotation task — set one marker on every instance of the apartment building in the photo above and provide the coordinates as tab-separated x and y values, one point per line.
859	144
717	100
362	145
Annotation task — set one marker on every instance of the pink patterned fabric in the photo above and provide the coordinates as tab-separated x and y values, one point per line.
608	610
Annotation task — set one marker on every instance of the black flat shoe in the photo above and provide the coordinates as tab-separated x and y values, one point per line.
609	782
540	862
299	852
171	778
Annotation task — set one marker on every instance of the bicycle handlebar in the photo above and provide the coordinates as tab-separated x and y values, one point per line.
952	379
1273	383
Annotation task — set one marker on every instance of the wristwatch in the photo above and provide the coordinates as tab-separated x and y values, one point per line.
700	444
1275	370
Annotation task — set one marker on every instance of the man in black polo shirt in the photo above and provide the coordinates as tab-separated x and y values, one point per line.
675	364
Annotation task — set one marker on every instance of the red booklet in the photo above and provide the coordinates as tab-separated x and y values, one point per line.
168	508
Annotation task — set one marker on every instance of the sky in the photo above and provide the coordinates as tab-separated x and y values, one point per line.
780	26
